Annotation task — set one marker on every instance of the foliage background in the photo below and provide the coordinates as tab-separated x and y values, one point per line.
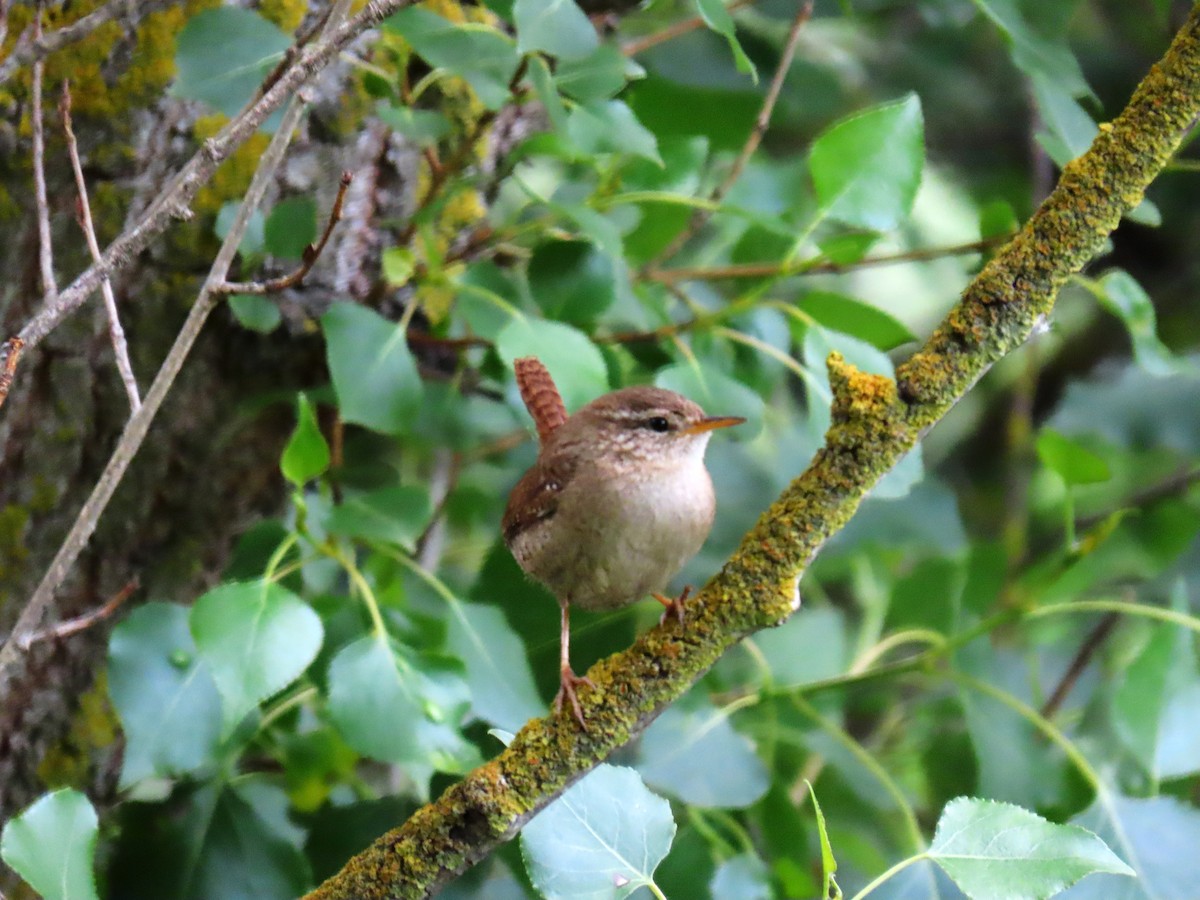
400	628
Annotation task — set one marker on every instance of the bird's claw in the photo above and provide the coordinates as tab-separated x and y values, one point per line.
673	607
567	689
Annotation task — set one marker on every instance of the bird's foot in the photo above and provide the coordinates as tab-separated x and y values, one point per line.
673	607
567	689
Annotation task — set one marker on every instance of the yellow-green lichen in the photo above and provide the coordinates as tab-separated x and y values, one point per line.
232	177
287	14
93	727
14	550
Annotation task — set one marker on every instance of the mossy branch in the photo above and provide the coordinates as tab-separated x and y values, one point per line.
875	422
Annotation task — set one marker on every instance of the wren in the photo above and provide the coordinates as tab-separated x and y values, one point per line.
618	500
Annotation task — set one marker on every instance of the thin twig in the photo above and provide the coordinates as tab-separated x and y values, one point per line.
27	51
115	332
438	176
1094	640
80	623
12	355
701	216
174	200
1173	485
822	267
311	253
682	27
139	423
42	207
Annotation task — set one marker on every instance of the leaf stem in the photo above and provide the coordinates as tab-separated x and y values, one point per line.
894	870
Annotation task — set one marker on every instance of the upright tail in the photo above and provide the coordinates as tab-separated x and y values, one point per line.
541	397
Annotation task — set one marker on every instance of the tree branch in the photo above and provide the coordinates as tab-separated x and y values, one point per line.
875	421
177	195
115	332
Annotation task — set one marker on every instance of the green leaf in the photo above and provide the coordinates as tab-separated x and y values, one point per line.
291	228
609	126
717	393
691	740
306	455
547	94
222	56
399	263
1157	836
252	239
1157	699
165	696
214	840
498	673
556	27
1140	409
574	361
742	877
256	313
256	637
1032	53
396	515
1073	462
1122	296
373	372
571	281
829	889
598	76
388	708
603	837
995	849
866	168
51	845
838	312
422	126
483	56
719	19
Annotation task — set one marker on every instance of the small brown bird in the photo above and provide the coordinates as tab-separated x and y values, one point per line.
616	502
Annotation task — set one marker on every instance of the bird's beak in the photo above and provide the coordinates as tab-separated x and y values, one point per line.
709	423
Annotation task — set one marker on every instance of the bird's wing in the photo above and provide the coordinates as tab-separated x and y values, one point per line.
536	495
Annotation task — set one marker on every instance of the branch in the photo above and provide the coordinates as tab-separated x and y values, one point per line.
701	215
682	27
823	267
27	51
177	195
12	355
139	423
115	332
311	253
875	421
82	623
42	207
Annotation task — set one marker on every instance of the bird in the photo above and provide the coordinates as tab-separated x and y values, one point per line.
617	501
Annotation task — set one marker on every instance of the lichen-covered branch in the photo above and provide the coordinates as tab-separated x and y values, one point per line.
875	422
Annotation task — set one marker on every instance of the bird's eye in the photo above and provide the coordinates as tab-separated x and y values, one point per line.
658	423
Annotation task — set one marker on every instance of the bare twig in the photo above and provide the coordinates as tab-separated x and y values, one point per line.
825	267
115	332
81	623
27	51
700	216
1093	642
3	20
12	355
173	202
311	252
42	207
642	44
139	423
